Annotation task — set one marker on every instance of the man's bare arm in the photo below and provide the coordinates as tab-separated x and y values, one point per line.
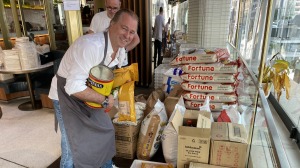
135	41
89	95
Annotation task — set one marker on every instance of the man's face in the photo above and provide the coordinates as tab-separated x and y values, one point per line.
123	31
112	7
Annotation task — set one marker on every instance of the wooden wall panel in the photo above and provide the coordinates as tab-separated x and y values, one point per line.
142	53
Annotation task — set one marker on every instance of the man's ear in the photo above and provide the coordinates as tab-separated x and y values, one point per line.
111	23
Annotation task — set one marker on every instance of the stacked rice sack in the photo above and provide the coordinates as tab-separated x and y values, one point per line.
247	92
208	73
171	78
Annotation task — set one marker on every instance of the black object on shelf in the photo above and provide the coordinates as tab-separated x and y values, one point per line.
47	57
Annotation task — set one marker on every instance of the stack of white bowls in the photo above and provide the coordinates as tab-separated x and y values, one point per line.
4	76
27	53
11	60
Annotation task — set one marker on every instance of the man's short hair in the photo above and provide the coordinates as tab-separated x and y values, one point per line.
161	9
121	11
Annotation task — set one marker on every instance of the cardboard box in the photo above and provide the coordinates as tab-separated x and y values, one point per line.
126	149
193	142
138	163
124	132
203	165
126	140
228	145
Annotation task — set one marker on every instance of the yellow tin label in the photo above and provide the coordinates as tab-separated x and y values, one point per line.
100	86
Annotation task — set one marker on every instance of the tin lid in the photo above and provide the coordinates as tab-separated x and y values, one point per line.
102	72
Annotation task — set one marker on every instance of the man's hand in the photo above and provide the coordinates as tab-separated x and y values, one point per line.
90	31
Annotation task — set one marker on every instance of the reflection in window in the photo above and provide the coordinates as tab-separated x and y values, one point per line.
285	39
177	12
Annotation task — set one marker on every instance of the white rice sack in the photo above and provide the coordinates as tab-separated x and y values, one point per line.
150	133
170	136
210	68
246	100
213	78
195	105
208	87
172	80
245	89
174	72
213	97
194	59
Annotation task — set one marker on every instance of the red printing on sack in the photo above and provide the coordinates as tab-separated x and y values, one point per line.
186	58
200	68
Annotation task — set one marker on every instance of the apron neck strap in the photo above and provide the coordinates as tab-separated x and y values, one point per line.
105	48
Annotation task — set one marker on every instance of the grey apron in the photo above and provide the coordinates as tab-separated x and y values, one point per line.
90	131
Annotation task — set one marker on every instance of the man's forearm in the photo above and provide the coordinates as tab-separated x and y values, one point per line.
89	95
135	41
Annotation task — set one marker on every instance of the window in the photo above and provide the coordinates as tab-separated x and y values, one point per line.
285	39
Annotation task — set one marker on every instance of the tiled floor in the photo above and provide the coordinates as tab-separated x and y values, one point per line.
30	139
27	138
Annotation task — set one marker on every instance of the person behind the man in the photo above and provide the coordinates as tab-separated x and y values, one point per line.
88	133
158	31
101	20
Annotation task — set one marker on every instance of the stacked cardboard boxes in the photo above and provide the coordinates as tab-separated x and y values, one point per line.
228	145
193	141
218	143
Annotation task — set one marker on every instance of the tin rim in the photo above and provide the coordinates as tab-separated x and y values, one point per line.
106	73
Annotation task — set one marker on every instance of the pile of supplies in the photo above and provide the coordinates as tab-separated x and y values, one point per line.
200	113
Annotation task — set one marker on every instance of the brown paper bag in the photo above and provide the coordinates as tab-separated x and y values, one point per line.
152	99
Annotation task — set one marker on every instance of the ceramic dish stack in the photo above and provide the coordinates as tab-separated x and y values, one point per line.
4	77
11	60
27	53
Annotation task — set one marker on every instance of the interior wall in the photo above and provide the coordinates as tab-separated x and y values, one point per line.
98	4
208	22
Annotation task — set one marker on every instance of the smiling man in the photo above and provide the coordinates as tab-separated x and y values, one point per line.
101	21
87	133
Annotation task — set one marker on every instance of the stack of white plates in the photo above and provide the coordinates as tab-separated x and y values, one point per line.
4	77
27	53
11	60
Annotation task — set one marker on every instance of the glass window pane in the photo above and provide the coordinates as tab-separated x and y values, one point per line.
285	42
